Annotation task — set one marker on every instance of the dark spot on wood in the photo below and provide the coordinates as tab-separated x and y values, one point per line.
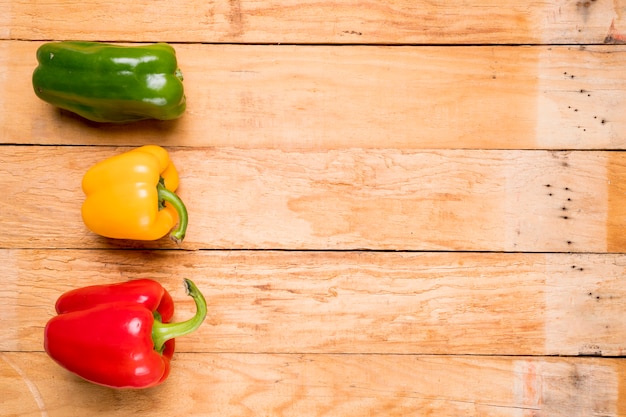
236	17
577	380
590	350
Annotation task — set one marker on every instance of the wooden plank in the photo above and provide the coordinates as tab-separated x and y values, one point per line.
353	199
293	21
352	302
617	203
5	19
328	97
487	176
321	385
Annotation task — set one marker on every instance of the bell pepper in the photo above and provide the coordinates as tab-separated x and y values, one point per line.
110	83
119	335
131	196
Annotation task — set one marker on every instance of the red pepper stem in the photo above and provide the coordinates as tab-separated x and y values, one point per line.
178	233
162	332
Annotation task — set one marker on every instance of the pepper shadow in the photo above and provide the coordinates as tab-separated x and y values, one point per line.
135	133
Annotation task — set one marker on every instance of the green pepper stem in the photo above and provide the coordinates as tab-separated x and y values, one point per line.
162	332
178	233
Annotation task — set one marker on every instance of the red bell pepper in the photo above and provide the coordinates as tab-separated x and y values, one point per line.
119	335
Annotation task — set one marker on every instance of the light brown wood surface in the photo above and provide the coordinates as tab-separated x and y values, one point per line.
337	97
239	384
534	201
344	21
350	302
397	208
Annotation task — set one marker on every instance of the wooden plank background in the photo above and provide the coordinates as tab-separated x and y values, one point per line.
370	96
398	208
487	200
305	22
352	302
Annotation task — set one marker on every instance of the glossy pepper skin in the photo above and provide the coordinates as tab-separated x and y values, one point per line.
131	196
110	83
119	335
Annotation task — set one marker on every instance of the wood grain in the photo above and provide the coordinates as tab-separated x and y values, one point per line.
325	97
322	385
292	21
352	302
398	208
353	199
616	228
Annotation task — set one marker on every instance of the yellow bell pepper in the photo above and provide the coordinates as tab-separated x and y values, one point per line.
131	196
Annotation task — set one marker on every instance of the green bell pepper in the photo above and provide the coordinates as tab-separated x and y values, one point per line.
111	83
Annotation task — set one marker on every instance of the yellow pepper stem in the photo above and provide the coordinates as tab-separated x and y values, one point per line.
166	196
